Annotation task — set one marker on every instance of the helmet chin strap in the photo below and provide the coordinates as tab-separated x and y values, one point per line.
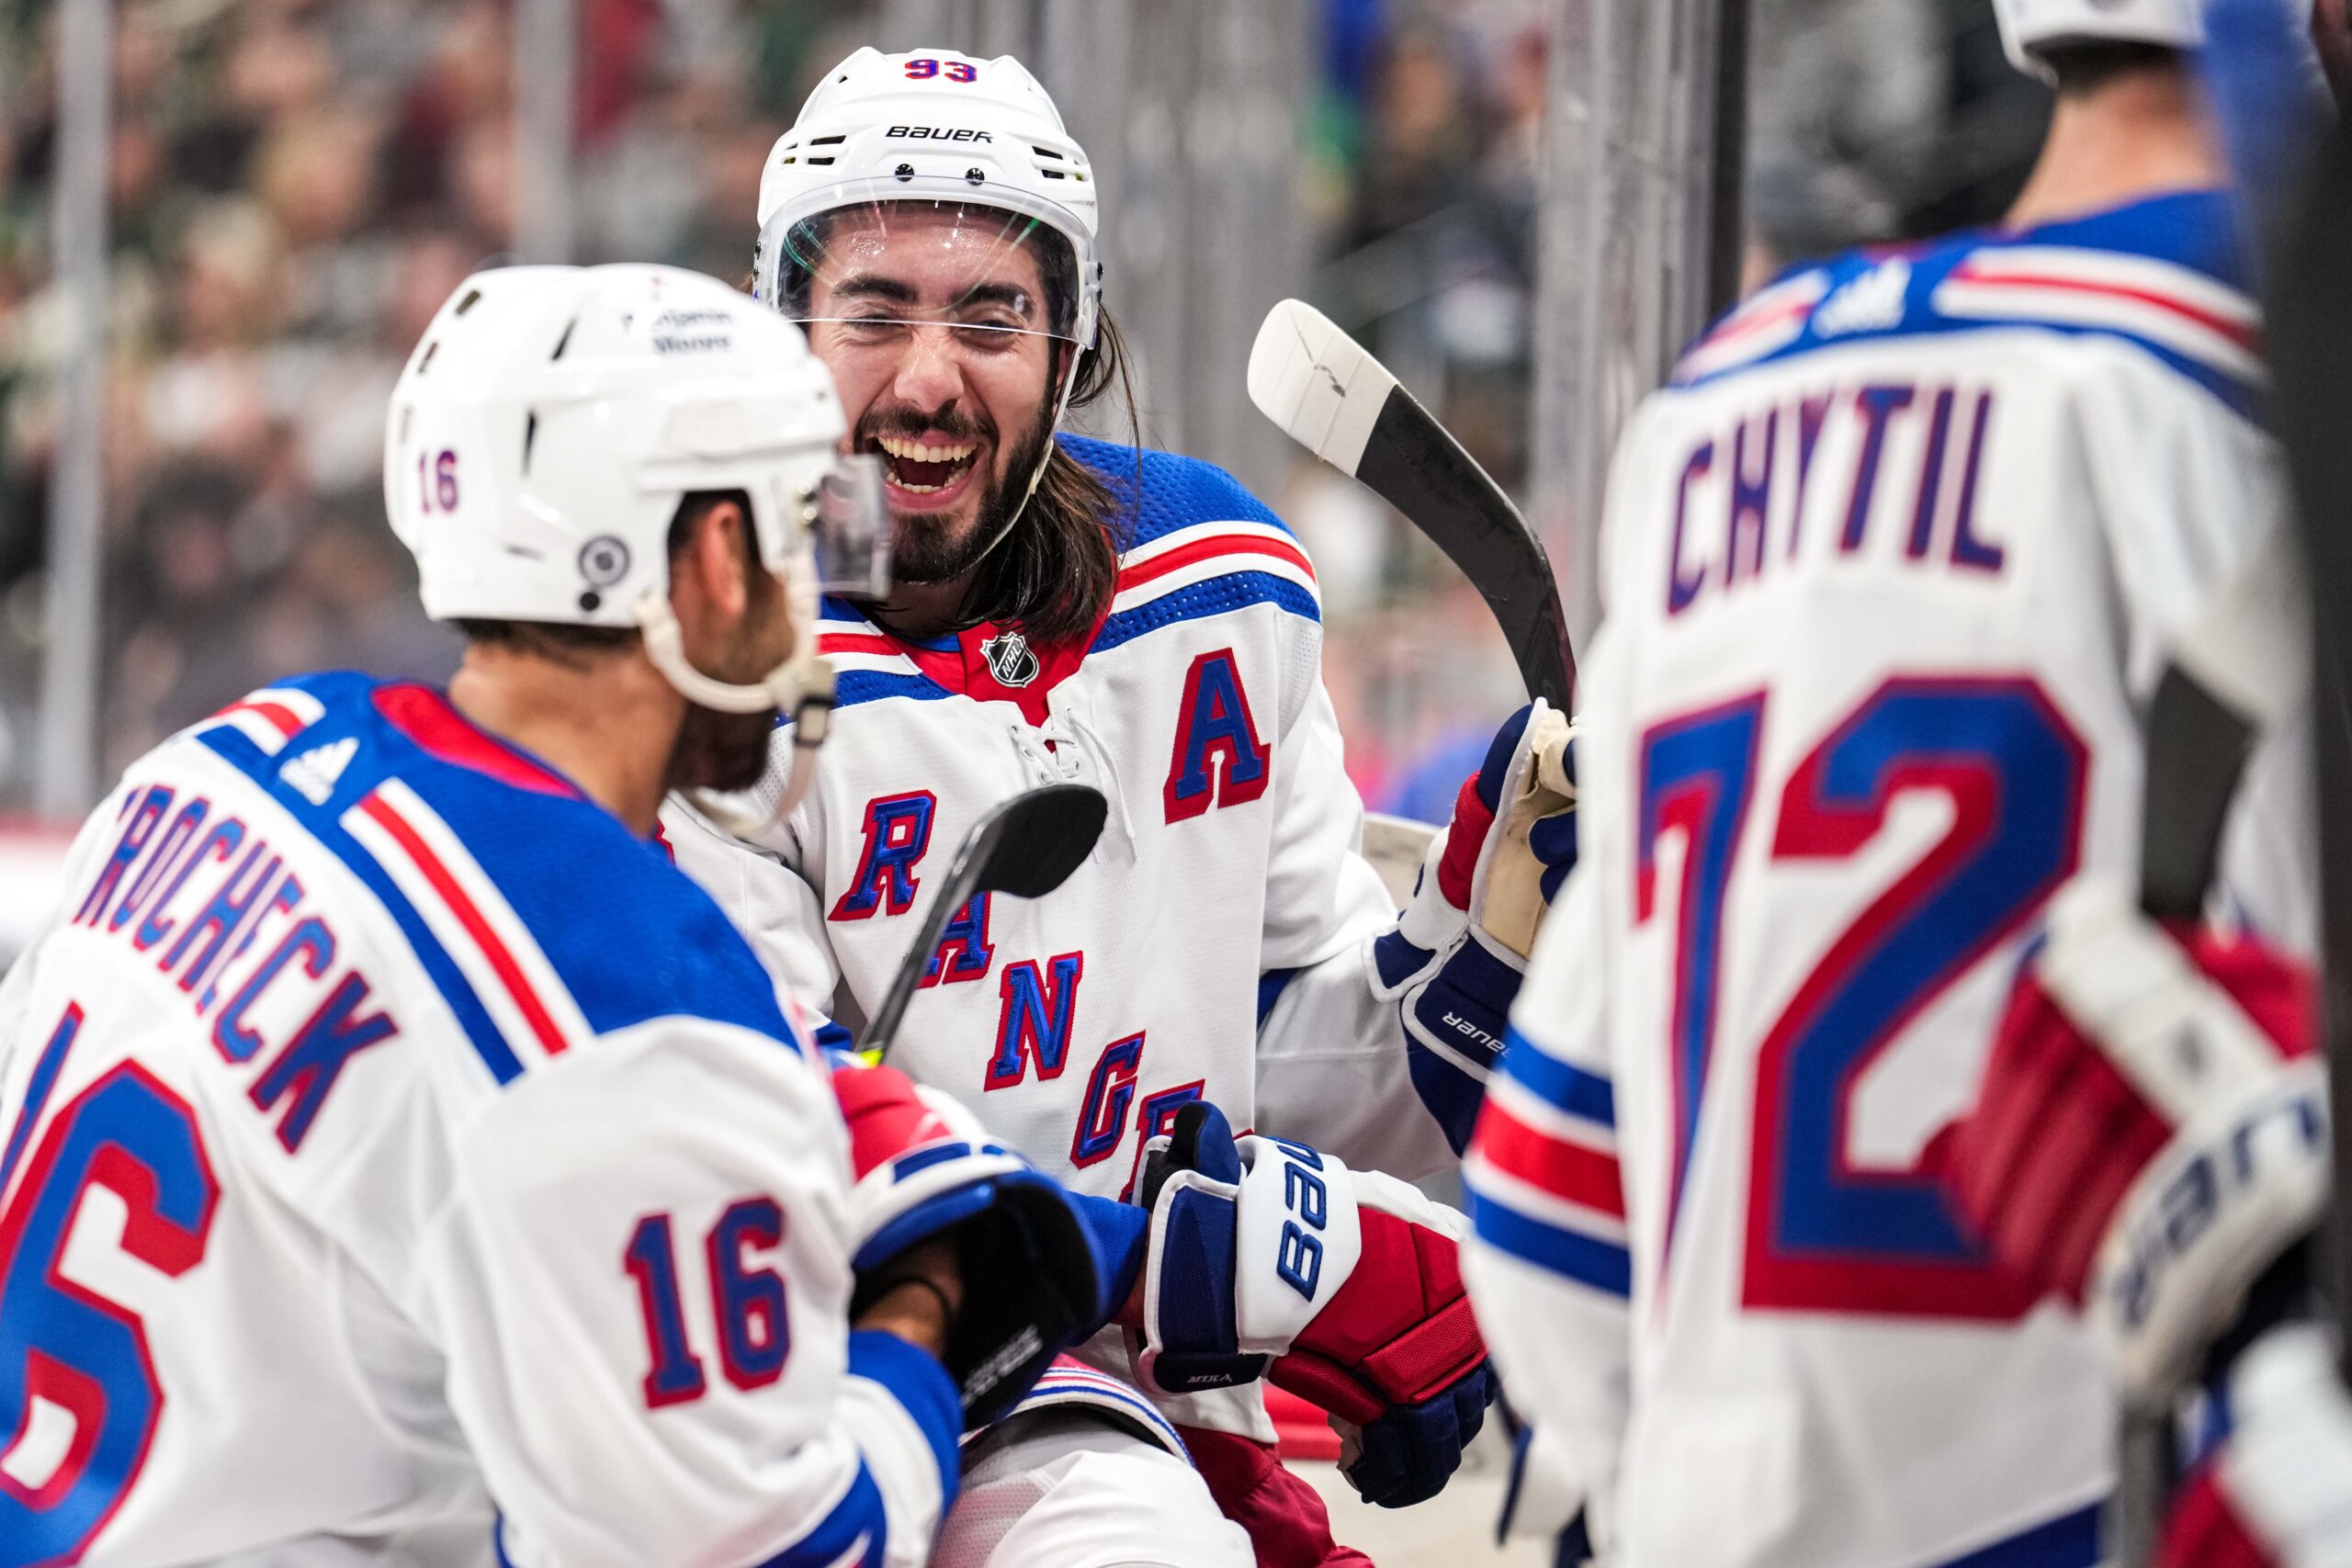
801	686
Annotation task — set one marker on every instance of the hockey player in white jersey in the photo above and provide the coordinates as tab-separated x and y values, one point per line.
1069	608
400	1160
1889	570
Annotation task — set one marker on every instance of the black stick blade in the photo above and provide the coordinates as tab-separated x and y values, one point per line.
1414	464
2196	748
1026	846
1035	840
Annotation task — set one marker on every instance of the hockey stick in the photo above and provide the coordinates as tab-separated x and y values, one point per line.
1027	847
1341	404
2196	748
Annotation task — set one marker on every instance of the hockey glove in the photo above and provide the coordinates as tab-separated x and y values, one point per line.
1455	958
2151	1129
2277	1491
1341	1286
1033	1283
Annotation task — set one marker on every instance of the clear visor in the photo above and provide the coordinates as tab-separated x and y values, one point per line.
881	264
848	518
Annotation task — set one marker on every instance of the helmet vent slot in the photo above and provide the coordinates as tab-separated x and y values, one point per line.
564	341
827	158
826	140
1047	152
430	350
1053	173
530	433
467	302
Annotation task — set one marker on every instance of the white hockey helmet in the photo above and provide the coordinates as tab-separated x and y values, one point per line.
551	420
2029	25
930	125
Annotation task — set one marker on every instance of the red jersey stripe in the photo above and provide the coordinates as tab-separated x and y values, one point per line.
1216	544
1582	1176
509	973
279	716
2245	337
856	642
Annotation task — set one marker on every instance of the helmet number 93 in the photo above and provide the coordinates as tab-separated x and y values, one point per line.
923	66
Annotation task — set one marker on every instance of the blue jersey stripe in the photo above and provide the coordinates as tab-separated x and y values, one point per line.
1603	1265
1094	1392
855	686
2070	1540
923	1391
1216	596
237	749
856	1521
1556	1083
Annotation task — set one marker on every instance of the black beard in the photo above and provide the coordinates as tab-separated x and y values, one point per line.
920	553
723	752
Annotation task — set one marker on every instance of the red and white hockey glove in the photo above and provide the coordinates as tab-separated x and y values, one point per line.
1456	959
1341	1286
2277	1491
2151	1129
1032	1282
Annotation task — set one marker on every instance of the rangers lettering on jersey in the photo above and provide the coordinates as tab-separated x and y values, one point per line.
1215	946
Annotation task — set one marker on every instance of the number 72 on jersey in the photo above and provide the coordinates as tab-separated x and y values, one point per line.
1824	1234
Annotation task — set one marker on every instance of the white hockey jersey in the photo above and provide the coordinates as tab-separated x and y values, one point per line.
1075	1025
1216	943
404	1163
1890	570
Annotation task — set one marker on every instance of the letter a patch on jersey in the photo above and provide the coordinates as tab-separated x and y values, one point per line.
1218	758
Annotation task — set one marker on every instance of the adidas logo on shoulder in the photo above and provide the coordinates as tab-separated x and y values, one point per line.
1873	302
312	775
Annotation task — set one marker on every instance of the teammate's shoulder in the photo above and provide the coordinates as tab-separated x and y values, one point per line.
1195	543
2167	275
543	919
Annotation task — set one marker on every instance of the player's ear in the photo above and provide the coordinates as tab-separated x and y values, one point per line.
714	568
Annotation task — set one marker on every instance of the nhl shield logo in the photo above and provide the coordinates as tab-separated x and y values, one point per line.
1009	660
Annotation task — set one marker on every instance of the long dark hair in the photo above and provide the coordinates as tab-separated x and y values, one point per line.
1053	573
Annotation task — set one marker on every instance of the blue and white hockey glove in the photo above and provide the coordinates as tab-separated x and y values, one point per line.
1456	959
1035	1279
1268	1258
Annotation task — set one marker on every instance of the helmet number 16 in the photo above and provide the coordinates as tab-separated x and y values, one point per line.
437	481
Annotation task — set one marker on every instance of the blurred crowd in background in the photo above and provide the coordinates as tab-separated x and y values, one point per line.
298	183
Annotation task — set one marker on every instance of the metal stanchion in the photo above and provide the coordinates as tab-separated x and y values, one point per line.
64	776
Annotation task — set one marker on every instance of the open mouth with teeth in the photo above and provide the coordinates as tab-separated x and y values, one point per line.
925	468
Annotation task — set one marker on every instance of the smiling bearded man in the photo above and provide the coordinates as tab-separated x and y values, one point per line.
1069	609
